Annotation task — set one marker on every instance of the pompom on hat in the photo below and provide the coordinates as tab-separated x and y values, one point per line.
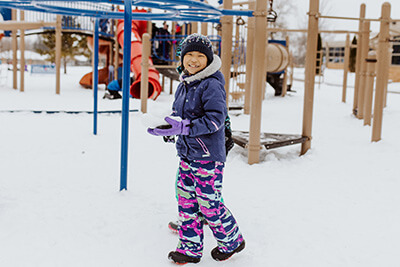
199	43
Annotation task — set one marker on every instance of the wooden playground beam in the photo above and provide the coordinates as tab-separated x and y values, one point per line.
245	3
285	74
257	81
58	53
345	67
364	40
116	51
19	25
305	30
22	55
346	18
249	60
204	30
312	41
382	69
369	87
172	66
144	83
14	49
358	60
226	45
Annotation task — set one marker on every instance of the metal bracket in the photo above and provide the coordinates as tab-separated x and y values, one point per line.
314	14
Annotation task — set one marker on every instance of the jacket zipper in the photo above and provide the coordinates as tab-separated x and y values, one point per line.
183	111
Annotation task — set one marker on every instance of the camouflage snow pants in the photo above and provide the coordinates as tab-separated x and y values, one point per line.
199	195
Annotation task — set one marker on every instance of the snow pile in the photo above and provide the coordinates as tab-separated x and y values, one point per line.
60	205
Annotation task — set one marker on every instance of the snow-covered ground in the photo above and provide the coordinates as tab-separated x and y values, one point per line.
60	204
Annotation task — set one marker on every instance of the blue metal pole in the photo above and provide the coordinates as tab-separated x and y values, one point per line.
95	73
125	93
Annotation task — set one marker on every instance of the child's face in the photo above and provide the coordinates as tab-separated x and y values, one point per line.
194	62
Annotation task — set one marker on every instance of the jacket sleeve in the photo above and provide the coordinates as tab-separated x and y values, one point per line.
175	111
215	111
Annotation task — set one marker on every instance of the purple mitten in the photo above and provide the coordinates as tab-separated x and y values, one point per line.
178	127
164	126
151	131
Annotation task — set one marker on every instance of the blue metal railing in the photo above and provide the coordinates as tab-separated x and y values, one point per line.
171	10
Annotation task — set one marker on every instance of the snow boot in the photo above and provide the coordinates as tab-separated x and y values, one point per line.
221	256
173	226
112	95
182	259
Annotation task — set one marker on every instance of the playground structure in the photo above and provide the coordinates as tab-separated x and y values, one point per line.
256	81
154	87
104	50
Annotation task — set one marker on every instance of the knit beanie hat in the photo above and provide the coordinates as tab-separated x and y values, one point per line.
199	43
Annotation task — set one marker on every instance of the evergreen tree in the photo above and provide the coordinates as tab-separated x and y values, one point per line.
353	54
72	44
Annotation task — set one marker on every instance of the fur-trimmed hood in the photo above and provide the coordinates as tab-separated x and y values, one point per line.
201	98
206	72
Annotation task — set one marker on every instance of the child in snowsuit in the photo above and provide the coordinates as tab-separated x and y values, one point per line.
198	118
114	87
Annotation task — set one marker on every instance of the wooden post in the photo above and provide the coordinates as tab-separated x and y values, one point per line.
58	53
346	67
144	83
204	30
358	59
22	53
363	68
14	51
116	52
173	56
195	27
285	75
312	42
173	30
291	63
265	84
257	80
249	60
382	69
171	85
390	51
173	46
369	87
319	66
184	28
171	51
150	27
226	51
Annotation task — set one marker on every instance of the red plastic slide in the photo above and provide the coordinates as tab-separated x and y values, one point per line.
138	28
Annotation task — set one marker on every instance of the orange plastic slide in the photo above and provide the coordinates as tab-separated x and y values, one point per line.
104	50
86	80
138	28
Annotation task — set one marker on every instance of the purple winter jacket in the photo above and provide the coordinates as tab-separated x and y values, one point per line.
201	98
